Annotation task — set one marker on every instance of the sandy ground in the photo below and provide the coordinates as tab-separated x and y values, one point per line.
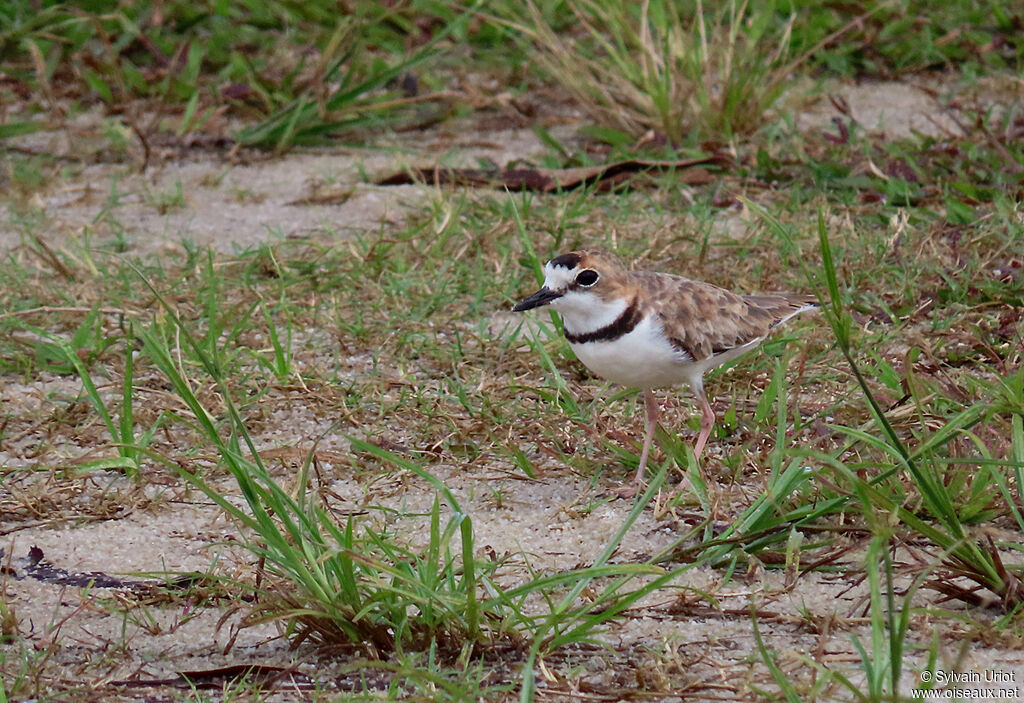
683	644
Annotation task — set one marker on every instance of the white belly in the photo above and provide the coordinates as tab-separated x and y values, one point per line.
644	358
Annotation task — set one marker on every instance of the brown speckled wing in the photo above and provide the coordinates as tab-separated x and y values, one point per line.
703	320
782	307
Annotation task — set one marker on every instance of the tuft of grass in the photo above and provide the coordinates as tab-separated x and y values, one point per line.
943	523
701	73
352	91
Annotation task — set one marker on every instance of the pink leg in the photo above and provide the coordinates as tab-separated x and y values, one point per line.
707	421
653	415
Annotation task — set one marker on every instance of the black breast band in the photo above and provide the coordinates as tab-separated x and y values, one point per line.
623	324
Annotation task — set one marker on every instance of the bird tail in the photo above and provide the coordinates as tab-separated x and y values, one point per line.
782	307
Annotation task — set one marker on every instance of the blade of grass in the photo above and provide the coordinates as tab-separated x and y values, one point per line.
122	433
768	657
392	458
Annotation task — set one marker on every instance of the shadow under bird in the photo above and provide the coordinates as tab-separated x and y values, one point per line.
647	330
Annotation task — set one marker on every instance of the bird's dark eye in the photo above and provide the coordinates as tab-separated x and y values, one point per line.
587	278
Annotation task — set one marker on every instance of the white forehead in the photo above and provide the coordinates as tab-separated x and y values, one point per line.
558	277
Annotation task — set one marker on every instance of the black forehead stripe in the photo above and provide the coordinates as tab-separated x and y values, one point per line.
569	261
623	324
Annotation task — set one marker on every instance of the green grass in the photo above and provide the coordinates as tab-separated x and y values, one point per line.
337	71
688	71
900	38
345	579
881	442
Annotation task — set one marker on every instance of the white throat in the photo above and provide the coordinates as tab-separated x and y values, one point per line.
584	312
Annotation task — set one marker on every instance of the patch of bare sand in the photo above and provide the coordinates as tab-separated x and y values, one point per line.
210	200
892	109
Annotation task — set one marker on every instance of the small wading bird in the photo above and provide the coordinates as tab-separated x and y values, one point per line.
648	330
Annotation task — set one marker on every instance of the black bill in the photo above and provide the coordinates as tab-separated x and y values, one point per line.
542	297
